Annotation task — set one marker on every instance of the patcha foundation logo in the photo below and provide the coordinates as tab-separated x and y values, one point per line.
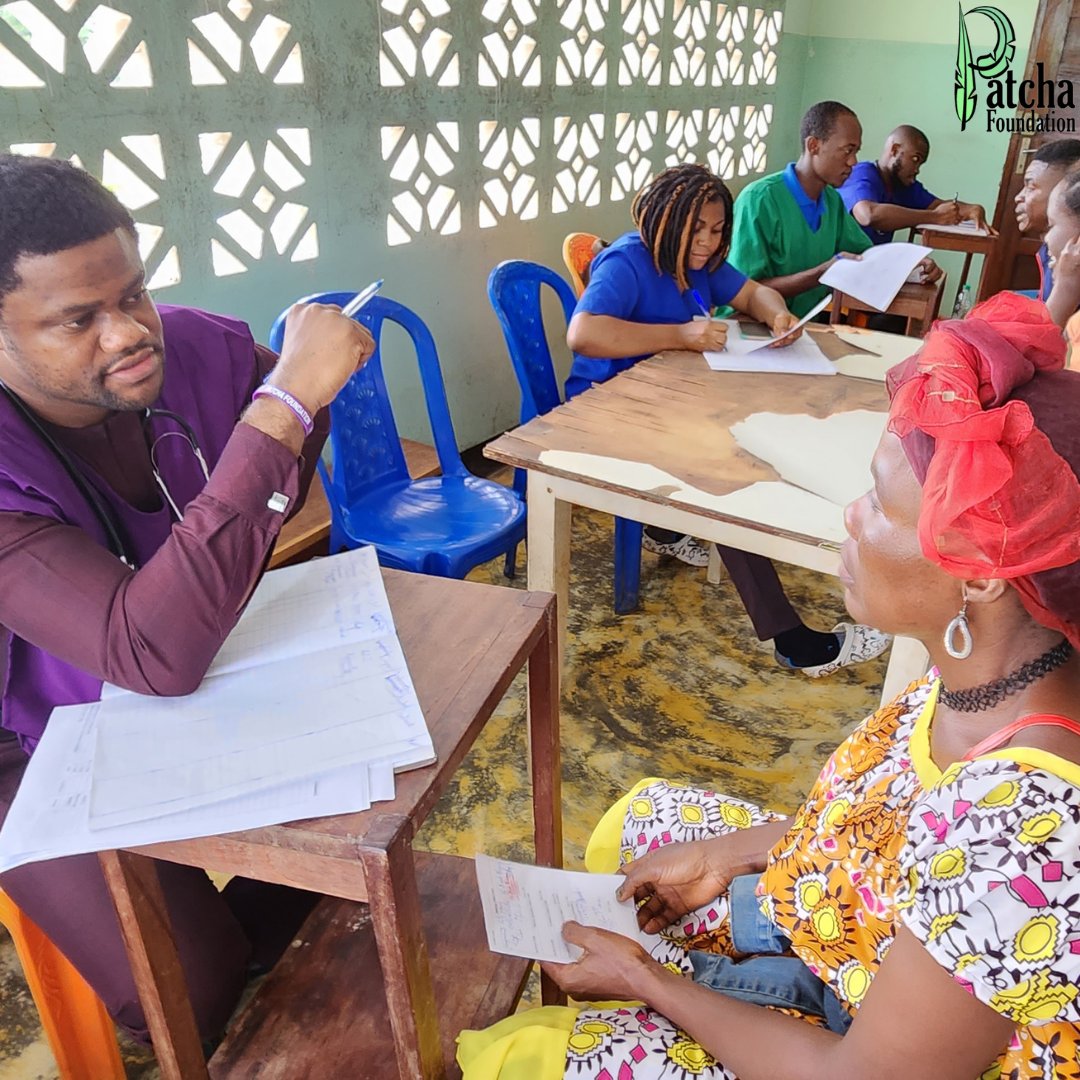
1025	105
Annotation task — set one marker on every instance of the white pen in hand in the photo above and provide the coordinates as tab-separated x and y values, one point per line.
361	298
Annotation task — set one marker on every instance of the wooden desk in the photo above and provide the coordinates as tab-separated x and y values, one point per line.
970	244
654	445
464	643
307	533
917	303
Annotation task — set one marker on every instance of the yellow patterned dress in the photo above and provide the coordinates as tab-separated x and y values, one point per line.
982	863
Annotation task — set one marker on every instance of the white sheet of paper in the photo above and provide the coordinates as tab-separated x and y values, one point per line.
312	678
48	818
801	357
875	279
742	345
828	457
888	350
525	908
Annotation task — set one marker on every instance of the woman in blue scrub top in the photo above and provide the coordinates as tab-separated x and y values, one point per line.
641	294
640	300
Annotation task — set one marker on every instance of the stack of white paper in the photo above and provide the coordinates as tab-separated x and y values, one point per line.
308	710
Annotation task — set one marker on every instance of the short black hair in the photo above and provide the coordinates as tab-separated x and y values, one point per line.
1059	153
912	134
1070	193
820	120
48	205
666	209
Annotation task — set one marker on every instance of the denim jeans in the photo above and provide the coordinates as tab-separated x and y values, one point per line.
770	974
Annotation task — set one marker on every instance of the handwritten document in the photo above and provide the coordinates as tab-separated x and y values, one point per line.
311	678
308	710
525	908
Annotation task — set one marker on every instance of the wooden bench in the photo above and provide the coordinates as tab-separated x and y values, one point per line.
308	532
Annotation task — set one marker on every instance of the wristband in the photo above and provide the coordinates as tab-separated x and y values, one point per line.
298	410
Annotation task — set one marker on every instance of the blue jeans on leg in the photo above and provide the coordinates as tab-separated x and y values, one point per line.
770	974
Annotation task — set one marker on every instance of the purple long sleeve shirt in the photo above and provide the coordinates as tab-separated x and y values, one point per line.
75	613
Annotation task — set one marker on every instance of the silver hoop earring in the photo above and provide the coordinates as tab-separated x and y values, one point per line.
960	626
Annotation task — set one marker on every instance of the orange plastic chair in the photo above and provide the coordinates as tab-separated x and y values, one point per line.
578	250
81	1035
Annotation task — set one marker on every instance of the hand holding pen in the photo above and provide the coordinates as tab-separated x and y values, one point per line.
323	350
704	333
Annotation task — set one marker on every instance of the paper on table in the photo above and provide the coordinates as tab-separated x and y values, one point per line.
801	357
525	908
876	278
888	350
829	457
965	228
48	818
261	721
740	345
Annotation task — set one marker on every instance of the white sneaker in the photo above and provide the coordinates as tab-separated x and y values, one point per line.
686	549
857	644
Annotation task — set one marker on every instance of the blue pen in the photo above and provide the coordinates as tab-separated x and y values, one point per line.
361	298
700	303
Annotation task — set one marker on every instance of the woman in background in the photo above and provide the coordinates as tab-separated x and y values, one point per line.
654	289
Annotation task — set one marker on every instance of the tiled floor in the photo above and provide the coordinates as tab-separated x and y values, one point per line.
680	689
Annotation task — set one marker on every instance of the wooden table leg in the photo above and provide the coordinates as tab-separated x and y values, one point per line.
155	963
394	903
546	767
549	548
907	661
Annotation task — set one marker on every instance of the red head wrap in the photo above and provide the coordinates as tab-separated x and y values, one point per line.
991	425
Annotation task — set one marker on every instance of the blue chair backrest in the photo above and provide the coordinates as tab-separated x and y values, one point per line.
514	289
363	434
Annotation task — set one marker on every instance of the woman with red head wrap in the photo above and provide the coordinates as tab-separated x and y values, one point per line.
920	914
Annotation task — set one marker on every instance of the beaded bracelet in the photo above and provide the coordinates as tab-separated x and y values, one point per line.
301	414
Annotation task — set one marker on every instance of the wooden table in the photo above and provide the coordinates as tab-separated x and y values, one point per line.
464	643
664	426
916	302
971	243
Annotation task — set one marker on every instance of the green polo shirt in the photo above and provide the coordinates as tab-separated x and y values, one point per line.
771	236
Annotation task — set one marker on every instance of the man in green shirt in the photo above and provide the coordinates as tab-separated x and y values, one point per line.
790	226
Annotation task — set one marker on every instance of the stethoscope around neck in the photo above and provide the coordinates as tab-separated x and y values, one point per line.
102	511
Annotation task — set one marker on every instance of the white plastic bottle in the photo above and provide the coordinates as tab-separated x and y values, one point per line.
963	303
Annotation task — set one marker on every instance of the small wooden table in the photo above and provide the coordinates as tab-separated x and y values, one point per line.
464	643
917	303
654	445
969	242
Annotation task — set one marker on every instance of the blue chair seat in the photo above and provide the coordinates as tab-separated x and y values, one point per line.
441	525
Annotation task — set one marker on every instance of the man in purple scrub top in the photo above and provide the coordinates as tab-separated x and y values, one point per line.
148	458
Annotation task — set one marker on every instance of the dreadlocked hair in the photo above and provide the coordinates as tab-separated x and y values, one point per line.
666	211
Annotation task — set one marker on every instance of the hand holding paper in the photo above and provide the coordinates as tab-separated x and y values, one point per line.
877	277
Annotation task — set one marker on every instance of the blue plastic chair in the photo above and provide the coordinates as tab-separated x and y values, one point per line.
440	525
514	289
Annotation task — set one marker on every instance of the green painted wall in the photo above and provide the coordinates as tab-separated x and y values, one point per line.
893	63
